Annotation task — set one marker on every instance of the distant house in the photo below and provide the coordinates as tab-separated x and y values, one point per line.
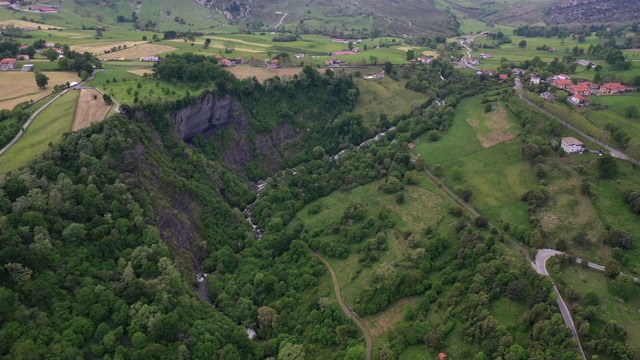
411	145
561	77
519	71
590	85
23	57
571	145
581	89
8	64
489	72
485	56
151	58
504	77
24	47
552	50
5	3
28	67
44	10
299	55
379	75
578	100
333	62
424	59
273	64
548	96
239	61
339	40
49	44
485	33
612	88
535	79
564	84
473	61
225	62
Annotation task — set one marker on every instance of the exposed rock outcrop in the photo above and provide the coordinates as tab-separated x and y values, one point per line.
593	11
224	119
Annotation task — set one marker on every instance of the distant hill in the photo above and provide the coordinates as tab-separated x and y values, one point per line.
594	11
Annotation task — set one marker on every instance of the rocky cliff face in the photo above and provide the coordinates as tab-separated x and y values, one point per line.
224	119
593	11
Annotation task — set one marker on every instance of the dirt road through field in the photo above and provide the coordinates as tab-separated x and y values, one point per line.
347	311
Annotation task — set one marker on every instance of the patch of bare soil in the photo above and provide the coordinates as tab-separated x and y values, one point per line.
382	321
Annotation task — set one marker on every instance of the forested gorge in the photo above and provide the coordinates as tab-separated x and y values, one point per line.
100	237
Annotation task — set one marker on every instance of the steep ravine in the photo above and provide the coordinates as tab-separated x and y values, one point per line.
224	119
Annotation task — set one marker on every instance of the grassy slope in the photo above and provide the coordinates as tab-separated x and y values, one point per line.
497	175
384	96
47	127
625	314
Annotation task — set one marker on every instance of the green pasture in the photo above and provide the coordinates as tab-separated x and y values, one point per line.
497	175
46	128
384	95
615	112
147	90
624	313
424	206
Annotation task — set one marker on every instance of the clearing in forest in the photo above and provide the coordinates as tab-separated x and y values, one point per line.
91	108
262	74
384	320
492	128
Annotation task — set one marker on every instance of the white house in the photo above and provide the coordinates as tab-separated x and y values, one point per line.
571	145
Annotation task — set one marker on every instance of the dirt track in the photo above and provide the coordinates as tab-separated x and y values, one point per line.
345	309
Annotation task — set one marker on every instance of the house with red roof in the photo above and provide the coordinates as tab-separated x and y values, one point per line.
273	64
504	77
578	100
45	10
612	88
564	84
225	62
424	59
49	44
8	64
485	56
581	89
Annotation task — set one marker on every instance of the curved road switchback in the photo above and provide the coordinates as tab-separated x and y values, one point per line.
345	309
540	266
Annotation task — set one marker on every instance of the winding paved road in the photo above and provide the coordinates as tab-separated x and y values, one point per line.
614	152
345	309
37	112
540	266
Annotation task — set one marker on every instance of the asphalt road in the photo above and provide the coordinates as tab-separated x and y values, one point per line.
614	152
540	266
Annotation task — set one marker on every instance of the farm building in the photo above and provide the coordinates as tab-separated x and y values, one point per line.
239	61
578	100
151	58
612	88
23	57
518	71
571	145
485	56
299	55
273	64
44	10
548	96
535	79
424	59
28	67
564	84
225	63
504	77
379	75
8	64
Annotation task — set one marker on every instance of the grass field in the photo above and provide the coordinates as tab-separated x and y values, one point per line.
19	86
497	175
47	127
136	52
98	48
27	24
384	95
261	73
615	112
625	314
423	207
493	127
91	108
